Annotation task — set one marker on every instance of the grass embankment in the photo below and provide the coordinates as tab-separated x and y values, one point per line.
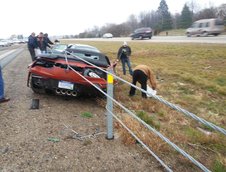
192	76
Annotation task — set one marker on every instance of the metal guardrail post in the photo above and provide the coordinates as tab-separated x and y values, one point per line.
110	80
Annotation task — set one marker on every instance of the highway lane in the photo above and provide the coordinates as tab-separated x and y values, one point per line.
10	53
221	39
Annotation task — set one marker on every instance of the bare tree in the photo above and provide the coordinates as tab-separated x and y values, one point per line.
221	11
132	22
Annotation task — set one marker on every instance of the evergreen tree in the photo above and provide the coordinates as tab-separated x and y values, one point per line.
186	17
165	22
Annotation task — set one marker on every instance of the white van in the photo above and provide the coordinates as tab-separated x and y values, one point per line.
206	27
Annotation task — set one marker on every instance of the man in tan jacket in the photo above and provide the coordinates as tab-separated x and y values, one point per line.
142	73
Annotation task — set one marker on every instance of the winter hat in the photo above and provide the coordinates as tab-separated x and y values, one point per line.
124	43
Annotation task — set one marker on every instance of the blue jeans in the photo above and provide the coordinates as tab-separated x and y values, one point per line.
1	84
124	62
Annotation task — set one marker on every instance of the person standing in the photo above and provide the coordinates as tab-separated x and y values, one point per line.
32	44
141	74
123	54
2	96
47	41
42	44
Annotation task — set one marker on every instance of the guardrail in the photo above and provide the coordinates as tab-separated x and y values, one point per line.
110	114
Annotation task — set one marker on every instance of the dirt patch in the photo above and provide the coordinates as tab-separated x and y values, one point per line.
43	140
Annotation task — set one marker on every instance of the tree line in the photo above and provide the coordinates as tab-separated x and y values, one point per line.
159	20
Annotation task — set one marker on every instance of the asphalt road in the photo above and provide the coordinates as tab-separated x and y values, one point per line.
7	54
221	39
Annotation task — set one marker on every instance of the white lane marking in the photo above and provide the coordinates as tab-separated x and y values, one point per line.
7	53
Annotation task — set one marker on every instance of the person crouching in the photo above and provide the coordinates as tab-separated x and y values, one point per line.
142	73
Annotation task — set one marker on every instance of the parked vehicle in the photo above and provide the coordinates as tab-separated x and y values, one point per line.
107	35
4	43
206	27
50	72
141	33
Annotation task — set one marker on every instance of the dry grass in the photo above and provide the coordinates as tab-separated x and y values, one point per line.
192	76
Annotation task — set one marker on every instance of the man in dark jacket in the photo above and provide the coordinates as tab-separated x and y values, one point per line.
47	40
141	74
123	54
32	44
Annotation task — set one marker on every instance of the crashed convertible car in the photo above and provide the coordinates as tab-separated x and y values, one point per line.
51	73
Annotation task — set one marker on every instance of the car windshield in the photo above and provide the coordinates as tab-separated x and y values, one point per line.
61	47
219	22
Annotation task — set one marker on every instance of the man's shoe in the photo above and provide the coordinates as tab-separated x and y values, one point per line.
3	100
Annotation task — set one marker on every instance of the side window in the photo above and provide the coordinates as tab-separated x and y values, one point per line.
194	25
207	24
200	25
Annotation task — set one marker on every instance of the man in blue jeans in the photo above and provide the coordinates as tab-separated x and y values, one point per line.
2	96
123	54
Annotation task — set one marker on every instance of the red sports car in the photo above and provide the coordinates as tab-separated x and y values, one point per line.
51	71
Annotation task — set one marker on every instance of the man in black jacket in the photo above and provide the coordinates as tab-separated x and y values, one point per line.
47	40
123	54
32	44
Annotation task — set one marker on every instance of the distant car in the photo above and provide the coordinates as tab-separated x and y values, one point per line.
4	43
141	33
206	27
50	72
107	35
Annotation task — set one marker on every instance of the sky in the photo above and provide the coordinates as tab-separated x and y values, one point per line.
58	17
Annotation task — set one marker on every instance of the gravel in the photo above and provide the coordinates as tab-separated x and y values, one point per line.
45	139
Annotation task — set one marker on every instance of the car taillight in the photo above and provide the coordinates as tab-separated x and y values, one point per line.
93	75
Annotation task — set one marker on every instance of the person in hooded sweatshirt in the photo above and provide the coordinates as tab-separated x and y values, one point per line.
141	74
123	54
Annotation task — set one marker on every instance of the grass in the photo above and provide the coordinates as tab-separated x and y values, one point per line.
192	76
87	115
219	167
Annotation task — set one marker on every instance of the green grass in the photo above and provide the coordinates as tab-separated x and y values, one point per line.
87	115
147	118
219	167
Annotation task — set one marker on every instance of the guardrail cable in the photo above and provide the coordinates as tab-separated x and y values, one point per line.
142	143
179	109
141	121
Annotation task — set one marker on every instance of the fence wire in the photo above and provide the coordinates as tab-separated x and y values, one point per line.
198	164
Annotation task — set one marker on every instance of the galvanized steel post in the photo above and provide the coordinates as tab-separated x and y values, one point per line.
110	80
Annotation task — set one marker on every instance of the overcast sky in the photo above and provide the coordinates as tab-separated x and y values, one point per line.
61	17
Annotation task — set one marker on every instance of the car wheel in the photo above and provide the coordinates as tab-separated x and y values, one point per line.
188	34
140	37
205	34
